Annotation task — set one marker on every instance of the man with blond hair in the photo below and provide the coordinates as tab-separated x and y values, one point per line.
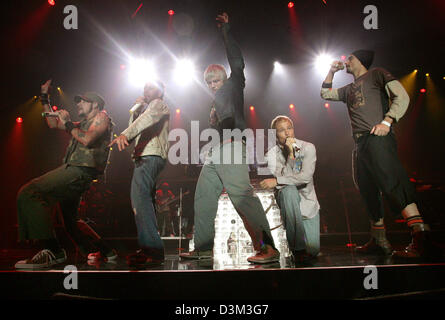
227	115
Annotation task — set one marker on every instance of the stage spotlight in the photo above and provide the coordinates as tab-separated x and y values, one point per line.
278	67
323	63
51	2
415	70
291	106
326	105
178	111
252	108
171	12
427	74
141	71
422	90
184	72
58	88
290	5
19	120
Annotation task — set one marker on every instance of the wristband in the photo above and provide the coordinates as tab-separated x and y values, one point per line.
44	99
69	126
386	123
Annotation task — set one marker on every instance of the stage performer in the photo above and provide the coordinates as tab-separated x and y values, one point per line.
292	162
85	160
148	127
227	113
376	101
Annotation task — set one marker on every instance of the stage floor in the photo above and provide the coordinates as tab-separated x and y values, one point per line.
330	257
338	273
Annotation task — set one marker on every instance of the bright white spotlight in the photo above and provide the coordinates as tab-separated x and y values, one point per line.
323	63
278	67
184	71
141	71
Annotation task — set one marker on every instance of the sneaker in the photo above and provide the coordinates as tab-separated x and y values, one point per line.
108	257
141	258
197	254
43	259
378	243
267	254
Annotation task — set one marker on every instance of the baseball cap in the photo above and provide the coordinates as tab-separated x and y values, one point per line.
91	97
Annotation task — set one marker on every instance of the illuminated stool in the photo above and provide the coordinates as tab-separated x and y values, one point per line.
232	238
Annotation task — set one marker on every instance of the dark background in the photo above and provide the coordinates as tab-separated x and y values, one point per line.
36	47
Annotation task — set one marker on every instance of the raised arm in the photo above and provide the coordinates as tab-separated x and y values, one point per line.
327	92
233	51
53	123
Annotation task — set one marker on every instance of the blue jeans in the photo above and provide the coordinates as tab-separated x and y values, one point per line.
301	233
235	179
143	190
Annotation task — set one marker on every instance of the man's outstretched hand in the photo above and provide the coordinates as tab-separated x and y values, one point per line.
223	18
121	141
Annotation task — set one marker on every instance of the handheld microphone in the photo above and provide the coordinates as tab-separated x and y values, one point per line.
339	65
135	107
49	114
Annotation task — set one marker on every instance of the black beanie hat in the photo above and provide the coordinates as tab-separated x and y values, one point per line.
365	56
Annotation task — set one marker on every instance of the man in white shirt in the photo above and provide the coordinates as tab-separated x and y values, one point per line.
292	162
148	126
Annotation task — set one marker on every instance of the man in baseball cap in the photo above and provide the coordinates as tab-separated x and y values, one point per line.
91	97
85	160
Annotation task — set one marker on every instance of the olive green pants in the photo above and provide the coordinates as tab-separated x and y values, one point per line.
35	200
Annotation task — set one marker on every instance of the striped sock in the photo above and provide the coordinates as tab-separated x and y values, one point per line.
414	221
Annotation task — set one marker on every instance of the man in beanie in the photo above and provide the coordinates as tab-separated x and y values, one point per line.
376	101
86	158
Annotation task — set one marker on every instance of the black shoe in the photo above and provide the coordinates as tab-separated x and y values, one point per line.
141	257
420	248
301	256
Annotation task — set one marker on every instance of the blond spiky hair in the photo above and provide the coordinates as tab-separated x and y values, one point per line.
215	71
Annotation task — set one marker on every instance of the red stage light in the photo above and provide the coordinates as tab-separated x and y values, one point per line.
326	105
252	108
290	5
171	12
343	57
19	120
51	2
55	108
178	111
291	106
422	90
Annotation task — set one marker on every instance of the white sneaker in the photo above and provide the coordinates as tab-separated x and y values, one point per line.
43	259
